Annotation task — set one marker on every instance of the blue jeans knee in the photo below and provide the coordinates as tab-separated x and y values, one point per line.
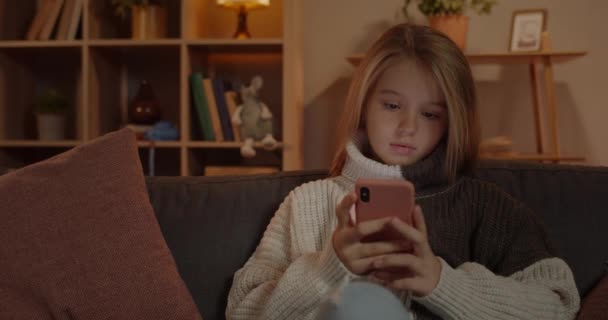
364	300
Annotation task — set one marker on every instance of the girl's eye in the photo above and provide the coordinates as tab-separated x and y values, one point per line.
430	115
391	106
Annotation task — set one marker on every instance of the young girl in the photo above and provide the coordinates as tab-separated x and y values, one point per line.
473	252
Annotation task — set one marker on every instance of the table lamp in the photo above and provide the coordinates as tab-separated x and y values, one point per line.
243	7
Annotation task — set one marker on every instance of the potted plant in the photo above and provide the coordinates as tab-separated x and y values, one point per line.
51	108
448	16
148	17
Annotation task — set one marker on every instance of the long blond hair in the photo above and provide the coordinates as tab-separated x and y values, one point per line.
450	69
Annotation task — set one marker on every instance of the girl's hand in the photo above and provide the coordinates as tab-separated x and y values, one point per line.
356	256
421	269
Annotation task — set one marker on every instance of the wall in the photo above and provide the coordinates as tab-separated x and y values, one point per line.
336	29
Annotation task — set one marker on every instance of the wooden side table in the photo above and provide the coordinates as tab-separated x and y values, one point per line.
538	62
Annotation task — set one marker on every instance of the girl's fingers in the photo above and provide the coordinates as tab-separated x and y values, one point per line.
343	209
418	219
362	266
375	249
408	232
405	260
414	283
370	227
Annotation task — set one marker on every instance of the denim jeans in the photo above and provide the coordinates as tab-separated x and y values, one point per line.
364	300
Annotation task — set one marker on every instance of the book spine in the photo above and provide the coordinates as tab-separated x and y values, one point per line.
200	105
212	106
49	25
218	86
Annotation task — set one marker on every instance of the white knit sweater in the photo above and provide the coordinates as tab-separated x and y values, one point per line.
295	268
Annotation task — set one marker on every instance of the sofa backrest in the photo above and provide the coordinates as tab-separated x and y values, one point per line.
213	224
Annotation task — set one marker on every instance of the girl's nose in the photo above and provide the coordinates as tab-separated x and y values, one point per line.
407	125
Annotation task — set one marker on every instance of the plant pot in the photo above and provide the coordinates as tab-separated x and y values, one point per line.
148	22
51	126
454	26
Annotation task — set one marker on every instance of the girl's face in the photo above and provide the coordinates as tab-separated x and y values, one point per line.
405	115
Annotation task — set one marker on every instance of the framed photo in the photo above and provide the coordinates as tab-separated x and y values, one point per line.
527	29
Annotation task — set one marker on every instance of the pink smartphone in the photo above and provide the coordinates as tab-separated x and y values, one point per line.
380	198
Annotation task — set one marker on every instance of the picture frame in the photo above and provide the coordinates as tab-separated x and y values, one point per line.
527	27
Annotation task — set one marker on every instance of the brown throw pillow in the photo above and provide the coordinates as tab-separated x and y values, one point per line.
595	304
79	240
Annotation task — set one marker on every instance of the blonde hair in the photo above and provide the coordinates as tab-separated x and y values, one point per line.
450	69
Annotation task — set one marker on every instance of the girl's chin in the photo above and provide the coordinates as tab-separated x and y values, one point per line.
398	161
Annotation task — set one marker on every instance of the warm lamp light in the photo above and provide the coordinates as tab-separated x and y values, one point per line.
243	6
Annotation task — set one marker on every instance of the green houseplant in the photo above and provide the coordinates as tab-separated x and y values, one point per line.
449	16
148	17
51	108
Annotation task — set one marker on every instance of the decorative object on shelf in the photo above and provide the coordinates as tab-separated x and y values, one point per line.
448	16
162	131
254	119
496	146
243	7
527	29
140	130
148	17
51	109
144	108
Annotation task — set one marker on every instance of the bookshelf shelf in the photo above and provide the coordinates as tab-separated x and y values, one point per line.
38	144
41	44
224	145
133	43
237	43
101	69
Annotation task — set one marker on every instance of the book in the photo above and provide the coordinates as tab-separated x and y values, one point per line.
64	22
200	106
212	106
49	24
76	18
39	19
238	170
231	103
222	109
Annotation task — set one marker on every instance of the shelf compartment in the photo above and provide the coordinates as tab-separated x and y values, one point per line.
198	158
166	161
104	24
238	65
205	19
19	157
25	73
118	73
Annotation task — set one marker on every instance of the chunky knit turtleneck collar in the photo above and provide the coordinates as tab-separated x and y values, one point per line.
427	175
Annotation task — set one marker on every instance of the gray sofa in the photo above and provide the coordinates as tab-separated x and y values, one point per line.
212	224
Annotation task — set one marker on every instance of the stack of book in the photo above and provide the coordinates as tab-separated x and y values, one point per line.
56	19
214	103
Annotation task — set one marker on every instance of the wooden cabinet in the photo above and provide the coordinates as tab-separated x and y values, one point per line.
100	72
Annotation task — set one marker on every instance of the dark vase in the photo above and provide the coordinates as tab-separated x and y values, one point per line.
144	108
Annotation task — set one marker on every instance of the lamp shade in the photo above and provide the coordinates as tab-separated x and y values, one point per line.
248	4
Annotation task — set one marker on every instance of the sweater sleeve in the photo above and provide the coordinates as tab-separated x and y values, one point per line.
278	282
544	290
513	273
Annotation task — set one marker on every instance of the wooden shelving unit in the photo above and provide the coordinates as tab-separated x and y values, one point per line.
537	62
101	70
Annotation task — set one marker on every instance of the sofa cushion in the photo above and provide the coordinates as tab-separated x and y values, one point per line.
595	304
79	240
213	224
571	201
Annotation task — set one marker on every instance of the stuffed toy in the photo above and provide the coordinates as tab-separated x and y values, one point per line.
253	119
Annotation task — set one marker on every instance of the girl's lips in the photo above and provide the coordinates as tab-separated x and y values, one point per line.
402	149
